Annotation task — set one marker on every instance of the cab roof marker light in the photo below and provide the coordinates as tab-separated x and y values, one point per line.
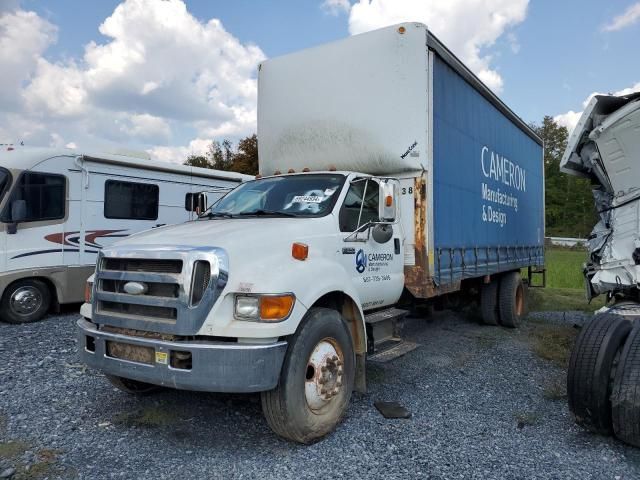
291	170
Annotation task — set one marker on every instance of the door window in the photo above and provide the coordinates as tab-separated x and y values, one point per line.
360	205
131	201
44	195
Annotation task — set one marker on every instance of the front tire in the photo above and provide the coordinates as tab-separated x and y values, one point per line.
316	380
25	301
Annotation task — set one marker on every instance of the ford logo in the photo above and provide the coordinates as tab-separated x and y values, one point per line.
135	288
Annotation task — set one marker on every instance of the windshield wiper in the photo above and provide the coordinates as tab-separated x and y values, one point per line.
217	215
269	212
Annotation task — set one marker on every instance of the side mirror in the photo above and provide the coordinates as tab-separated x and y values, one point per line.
382	232
388	199
18	214
195	202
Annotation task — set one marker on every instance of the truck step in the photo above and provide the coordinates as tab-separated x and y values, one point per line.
392	313
393	350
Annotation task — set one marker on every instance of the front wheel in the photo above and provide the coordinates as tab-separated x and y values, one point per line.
316	380
25	301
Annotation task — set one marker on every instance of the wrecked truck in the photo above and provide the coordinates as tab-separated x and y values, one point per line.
604	372
390	176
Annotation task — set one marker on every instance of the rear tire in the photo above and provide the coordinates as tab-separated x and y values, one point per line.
314	388
589	373
132	387
512	300
625	398
489	302
25	301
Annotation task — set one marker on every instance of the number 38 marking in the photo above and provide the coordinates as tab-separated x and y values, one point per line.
407	190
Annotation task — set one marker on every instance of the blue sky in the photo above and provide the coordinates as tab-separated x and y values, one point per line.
546	58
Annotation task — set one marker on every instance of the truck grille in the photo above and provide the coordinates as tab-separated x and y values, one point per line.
171	293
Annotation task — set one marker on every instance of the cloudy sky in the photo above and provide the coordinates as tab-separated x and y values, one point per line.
168	76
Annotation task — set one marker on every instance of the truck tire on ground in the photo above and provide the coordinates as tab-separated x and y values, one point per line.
132	387
489	302
316	380
589	373
25	301
512	300
625	397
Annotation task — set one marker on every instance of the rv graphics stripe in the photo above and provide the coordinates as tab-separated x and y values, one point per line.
53	250
72	239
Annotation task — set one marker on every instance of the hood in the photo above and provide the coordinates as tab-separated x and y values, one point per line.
605	144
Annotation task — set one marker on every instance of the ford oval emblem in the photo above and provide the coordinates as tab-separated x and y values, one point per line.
135	288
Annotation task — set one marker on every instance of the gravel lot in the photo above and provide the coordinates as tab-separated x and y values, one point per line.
483	402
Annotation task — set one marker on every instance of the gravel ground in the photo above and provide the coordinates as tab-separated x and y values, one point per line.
484	405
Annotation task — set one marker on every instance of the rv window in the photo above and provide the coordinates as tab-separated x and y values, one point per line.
350	211
44	195
130	201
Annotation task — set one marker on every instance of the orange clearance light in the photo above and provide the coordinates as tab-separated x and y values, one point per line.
275	307
299	251
258	177
332	168
306	169
401	30
388	201
291	170
277	172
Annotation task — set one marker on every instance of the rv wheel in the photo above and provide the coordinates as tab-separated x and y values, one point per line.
589	376
316	380
25	301
625	397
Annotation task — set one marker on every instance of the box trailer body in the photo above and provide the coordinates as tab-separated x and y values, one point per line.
389	176
400	104
76	203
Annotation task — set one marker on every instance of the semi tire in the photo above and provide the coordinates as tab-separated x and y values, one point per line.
132	387
589	374
512	300
489	302
625	397
25	301
316	380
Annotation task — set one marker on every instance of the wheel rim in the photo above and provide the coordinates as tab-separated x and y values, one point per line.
324	376
519	300
26	300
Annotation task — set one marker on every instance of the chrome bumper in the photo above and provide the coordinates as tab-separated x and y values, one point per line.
215	366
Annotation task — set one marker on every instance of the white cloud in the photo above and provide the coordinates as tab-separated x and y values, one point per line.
627	18
467	27
159	67
197	146
336	7
570	119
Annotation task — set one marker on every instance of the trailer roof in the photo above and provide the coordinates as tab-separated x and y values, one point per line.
20	157
454	62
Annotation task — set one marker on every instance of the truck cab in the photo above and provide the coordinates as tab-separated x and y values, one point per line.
281	267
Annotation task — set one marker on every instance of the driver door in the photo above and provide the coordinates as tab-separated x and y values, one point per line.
376	269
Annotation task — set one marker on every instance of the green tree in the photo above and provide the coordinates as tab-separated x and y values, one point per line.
569	205
223	156
198	161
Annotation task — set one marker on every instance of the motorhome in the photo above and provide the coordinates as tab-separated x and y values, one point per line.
58	208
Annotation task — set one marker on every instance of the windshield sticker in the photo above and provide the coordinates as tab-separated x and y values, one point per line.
307	199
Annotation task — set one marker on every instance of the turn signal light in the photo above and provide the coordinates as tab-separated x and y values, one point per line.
88	292
388	201
299	251
275	307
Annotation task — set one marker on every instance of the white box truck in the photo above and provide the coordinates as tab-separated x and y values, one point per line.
58	208
390	176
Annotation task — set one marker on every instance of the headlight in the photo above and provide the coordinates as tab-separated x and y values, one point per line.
88	292
268	308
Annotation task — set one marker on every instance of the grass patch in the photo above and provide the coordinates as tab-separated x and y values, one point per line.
13	449
555	390
564	267
149	417
562	299
552	342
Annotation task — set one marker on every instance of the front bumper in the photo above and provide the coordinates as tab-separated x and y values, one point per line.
215	366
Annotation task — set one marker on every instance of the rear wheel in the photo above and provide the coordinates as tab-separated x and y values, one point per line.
590	367
316	380
132	387
625	398
25	301
512	300
489	302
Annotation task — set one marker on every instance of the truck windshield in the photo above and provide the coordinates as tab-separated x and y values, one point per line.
4	180
308	195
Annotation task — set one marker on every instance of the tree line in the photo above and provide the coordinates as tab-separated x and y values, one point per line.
569	206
